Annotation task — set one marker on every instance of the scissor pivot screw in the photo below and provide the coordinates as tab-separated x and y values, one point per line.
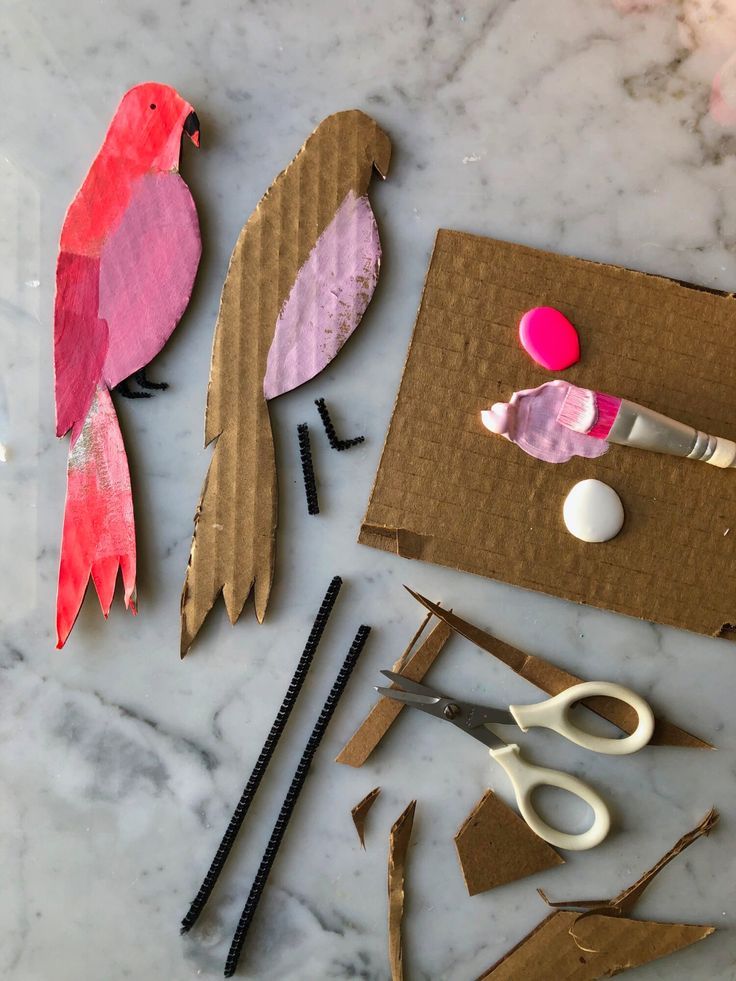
451	711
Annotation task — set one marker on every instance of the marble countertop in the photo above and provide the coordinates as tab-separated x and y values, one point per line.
583	126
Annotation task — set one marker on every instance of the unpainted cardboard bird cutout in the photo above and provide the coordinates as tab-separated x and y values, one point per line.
301	275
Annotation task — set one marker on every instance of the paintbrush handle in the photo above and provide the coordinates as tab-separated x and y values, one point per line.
646	429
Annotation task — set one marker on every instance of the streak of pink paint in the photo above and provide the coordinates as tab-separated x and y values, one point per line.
529	419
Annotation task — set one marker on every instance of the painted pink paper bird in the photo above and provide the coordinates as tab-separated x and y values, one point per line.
301	275
129	252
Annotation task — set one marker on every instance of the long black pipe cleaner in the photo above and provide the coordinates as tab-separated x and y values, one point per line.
332	438
287	808
236	821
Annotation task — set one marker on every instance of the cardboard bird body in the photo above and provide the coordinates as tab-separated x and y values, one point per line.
129	252
300	278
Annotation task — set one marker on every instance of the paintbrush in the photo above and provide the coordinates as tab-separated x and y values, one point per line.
616	420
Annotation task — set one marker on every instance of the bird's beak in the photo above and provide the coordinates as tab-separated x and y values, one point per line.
191	127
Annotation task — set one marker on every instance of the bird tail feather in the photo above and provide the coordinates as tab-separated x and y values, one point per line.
233	544
99	533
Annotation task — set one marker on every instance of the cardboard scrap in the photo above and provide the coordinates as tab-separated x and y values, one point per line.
397	851
360	812
300	278
603	940
412	664
449	492
128	256
496	846
550	952
551	679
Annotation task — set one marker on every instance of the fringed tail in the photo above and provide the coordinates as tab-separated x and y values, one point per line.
99	533
234	527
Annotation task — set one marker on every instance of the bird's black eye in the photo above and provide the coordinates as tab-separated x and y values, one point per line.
152	105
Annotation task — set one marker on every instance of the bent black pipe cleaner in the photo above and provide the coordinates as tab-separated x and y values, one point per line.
332	437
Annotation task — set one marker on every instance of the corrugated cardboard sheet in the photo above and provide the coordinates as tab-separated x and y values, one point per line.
449	492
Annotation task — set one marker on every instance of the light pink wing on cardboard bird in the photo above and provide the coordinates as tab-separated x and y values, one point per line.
147	271
328	299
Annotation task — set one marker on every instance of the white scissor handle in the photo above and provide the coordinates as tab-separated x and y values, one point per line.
554	714
525	777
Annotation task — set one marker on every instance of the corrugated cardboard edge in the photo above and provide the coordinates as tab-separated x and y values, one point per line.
383	714
397	853
495	846
377	536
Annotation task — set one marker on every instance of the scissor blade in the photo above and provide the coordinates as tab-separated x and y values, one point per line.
409	697
406	683
461	715
474	715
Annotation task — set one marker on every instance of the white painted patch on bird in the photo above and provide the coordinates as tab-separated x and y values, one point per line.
472	158
33	283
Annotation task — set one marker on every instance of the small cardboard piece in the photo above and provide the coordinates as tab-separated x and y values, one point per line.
397	852
449	492
552	680
602	940
413	664
360	813
495	846
235	523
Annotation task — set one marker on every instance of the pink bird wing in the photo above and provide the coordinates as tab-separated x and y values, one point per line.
80	338
328	299
147	270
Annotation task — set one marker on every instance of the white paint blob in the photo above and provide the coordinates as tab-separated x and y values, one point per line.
593	511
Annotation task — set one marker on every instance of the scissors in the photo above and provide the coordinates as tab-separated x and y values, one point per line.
552	713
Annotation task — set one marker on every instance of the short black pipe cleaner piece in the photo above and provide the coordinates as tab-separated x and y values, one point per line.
310	484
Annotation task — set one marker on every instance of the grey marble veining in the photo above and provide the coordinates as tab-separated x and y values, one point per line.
581	126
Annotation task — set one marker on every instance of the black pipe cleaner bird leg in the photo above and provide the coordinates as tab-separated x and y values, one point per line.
282	717
145	383
310	483
335	443
287	808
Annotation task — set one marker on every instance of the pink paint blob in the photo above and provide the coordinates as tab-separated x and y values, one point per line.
328	299
529	419
549	338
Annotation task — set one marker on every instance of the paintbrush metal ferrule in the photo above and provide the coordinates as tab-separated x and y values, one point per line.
619	421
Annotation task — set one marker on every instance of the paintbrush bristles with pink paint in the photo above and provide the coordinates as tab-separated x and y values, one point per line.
616	420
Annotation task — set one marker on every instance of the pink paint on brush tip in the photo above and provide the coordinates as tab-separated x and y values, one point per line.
529	419
549	338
